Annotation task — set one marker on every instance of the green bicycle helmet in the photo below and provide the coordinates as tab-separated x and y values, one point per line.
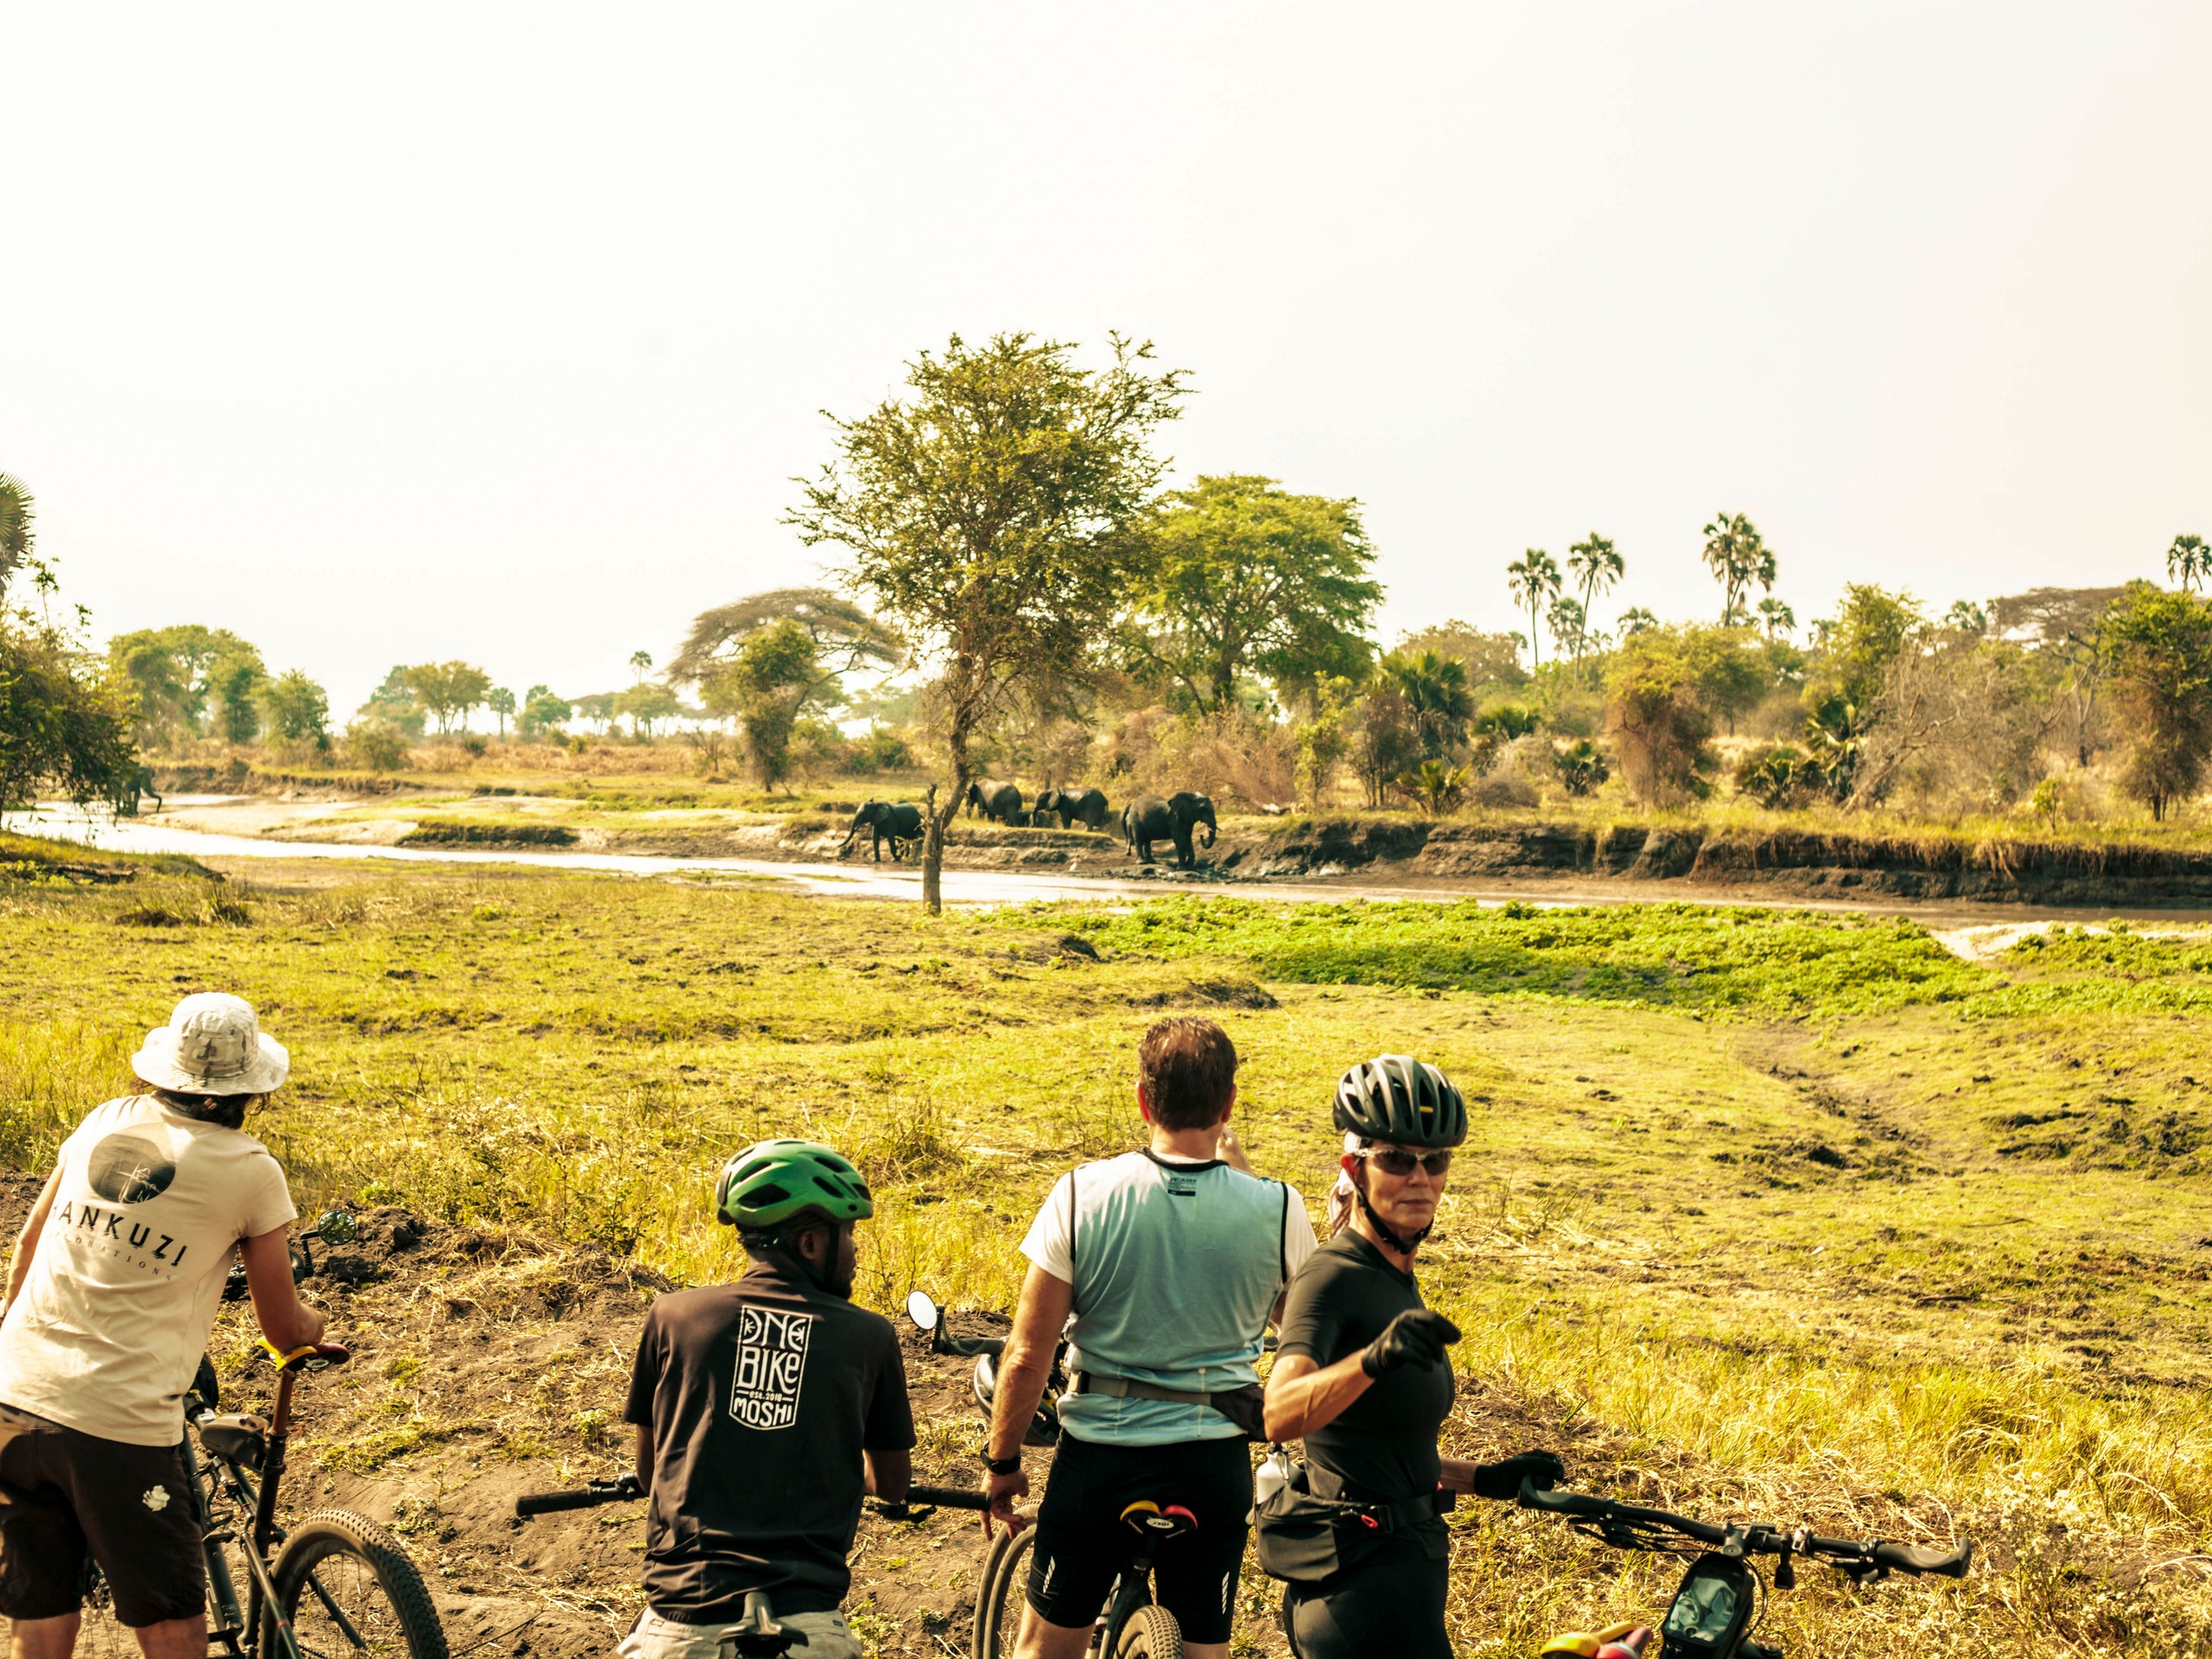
1397	1099
774	1183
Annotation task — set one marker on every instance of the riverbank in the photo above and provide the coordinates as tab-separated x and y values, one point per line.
1733	858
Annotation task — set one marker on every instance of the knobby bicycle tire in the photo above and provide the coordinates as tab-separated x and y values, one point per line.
1151	1633
998	1598
359	1565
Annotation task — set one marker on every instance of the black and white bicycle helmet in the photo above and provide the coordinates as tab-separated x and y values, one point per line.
1397	1099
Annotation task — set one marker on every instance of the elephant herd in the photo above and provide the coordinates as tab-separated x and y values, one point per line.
1147	819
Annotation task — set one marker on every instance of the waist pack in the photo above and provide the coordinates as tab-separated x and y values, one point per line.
1304	1538
1242	1406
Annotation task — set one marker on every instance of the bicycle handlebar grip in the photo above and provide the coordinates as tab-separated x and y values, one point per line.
581	1497
1909	1558
947	1497
329	1353
1553	1502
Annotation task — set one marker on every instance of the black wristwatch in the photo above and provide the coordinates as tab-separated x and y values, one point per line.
1002	1466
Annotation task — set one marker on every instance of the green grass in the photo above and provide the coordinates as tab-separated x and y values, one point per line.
1762	1211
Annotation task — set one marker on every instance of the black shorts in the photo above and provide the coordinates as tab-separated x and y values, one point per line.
126	1507
1083	1543
1391	1601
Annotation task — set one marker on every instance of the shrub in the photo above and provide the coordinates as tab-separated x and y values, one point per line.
377	745
1659	725
1778	775
1581	768
1435	787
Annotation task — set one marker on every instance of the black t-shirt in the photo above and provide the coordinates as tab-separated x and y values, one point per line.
760	1397
1382	1448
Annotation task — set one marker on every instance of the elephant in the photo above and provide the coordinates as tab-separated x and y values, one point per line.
1001	803
1148	818
124	793
898	823
1088	808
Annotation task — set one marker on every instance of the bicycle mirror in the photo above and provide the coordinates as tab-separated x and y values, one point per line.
922	1311
335	1227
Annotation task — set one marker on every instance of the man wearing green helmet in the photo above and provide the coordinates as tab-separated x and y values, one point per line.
766	1410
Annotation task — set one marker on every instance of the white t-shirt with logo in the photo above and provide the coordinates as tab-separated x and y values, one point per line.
109	1327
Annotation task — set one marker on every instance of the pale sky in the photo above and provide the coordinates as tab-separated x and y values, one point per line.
419	332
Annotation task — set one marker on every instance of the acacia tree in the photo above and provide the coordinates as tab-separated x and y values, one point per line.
1252	578
1534	578
449	690
296	709
1738	556
998	516
769	659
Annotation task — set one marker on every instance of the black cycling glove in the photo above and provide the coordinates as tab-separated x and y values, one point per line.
1502	1480
1416	1336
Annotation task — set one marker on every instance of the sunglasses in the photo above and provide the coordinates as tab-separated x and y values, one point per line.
1398	1161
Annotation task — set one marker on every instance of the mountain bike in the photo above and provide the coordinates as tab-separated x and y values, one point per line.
334	1586
758	1635
1133	1626
1722	1595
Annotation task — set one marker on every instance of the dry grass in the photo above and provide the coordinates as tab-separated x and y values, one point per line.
1928	1267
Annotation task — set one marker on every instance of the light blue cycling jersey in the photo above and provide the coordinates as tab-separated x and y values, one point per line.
1175	1265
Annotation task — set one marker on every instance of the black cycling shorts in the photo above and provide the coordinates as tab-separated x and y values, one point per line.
126	1507
1392	1601
1083	1543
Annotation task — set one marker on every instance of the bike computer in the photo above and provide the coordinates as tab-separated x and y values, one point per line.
1712	1609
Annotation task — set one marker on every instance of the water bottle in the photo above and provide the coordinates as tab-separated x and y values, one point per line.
1275	1471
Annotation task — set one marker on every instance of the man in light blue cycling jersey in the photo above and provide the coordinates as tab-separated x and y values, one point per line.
1170	1261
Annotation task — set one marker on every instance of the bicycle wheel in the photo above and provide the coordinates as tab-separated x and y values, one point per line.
1151	1633
998	1598
352	1594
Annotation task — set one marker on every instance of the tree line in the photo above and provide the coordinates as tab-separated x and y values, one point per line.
1009	567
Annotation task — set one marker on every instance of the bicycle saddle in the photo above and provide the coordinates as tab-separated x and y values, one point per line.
240	1438
1147	1518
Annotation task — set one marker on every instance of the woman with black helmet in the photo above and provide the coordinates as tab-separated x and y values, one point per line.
1361	1375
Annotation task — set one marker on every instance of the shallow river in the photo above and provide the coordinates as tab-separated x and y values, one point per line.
1971	929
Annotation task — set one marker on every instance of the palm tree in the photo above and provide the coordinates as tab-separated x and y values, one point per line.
15	517
1570	626
1738	556
1435	688
639	662
1776	618
1534	578
1597	566
2189	561
1636	619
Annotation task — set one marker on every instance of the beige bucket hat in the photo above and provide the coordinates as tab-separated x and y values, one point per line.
212	1045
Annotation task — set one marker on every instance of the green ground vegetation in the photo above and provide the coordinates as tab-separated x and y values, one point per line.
1762	1210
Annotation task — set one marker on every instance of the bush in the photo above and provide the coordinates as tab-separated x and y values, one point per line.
882	750
1659	725
1778	775
1582	769
376	746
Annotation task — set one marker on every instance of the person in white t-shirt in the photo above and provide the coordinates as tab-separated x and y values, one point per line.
110	1300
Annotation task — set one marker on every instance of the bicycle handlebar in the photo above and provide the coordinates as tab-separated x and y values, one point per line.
618	1490
624	1488
1851	1556
941	1497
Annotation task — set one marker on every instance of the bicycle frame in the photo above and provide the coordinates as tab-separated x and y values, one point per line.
259	1629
